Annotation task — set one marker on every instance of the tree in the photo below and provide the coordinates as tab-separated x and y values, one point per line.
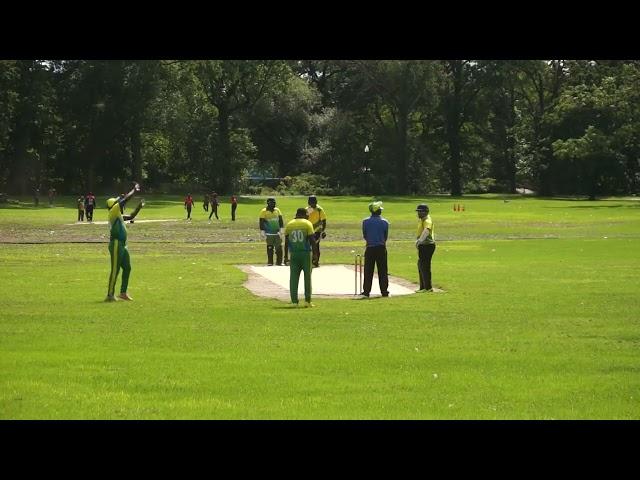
31	137
234	87
461	82
399	89
597	123
9	99
539	87
500	96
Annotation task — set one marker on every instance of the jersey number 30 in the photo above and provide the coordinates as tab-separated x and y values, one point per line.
297	236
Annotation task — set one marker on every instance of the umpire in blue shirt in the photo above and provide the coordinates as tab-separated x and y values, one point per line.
375	231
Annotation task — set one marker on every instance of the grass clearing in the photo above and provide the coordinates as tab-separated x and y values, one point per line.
540	327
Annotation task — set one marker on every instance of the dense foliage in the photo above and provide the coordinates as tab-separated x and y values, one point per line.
454	126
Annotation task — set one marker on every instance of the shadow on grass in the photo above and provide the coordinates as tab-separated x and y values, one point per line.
26	206
595	206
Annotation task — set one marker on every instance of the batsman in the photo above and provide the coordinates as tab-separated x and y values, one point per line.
118	243
271	225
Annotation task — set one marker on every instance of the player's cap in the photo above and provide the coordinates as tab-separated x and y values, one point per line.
301	213
423	207
375	207
111	202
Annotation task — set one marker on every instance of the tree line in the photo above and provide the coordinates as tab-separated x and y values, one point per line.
437	126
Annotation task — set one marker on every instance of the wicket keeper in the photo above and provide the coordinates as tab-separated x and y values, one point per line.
318	219
299	240
118	243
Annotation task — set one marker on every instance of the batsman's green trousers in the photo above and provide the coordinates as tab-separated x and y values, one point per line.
119	260
300	261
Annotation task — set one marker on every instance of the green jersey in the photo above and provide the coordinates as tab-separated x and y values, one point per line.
116	223
299	230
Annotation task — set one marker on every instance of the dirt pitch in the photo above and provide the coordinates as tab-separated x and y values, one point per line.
328	281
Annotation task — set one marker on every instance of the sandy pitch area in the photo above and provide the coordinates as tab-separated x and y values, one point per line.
328	281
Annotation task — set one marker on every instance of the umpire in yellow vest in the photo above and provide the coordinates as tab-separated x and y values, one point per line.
426	245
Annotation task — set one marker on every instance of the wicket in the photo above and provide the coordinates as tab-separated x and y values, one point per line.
357	268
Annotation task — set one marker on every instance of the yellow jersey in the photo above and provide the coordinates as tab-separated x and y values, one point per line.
316	216
426	223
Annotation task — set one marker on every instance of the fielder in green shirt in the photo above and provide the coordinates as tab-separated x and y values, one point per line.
299	240
118	243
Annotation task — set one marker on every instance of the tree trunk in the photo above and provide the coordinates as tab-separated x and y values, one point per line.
19	172
454	164
225	161
511	143
454	123
89	168
511	171
136	154
593	174
401	178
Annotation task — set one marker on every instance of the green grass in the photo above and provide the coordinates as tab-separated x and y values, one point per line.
539	319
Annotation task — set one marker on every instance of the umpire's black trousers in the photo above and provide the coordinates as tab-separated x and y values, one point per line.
425	252
376	256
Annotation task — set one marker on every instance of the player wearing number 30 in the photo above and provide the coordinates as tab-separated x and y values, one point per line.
299	240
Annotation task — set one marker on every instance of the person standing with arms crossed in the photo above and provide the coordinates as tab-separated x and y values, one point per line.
318	219
118	243
271	225
234	206
188	204
426	245
375	230
299	239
